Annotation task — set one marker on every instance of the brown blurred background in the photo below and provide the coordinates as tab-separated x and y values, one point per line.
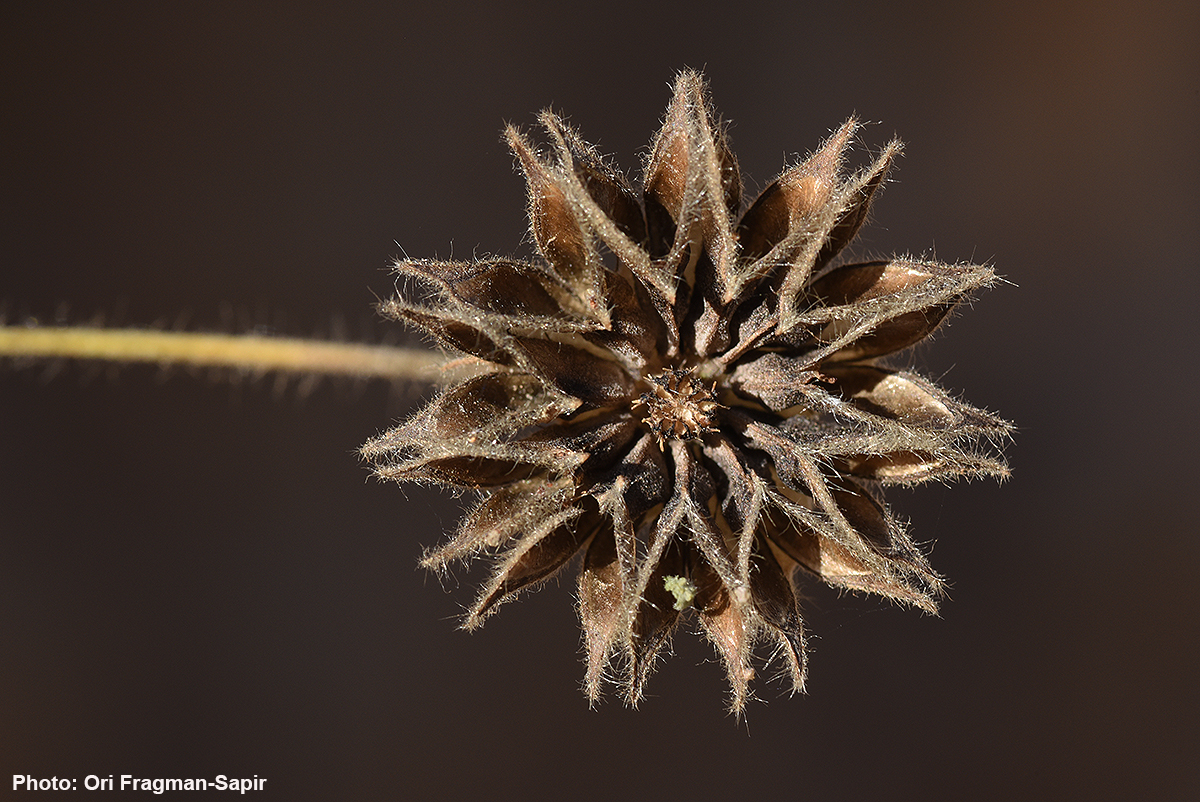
197	579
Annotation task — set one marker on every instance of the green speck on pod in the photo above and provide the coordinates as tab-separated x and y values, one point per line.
682	589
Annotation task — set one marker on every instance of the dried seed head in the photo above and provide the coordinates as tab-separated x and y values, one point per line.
700	420
678	405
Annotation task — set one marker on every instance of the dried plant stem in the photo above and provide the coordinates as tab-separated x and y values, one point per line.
247	352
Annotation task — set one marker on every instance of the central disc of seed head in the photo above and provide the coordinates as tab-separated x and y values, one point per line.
678	405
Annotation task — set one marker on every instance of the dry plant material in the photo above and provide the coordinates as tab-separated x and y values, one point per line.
692	396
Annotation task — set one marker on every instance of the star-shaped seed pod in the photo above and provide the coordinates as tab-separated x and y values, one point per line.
693	396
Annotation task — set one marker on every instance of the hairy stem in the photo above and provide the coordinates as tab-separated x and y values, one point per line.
247	352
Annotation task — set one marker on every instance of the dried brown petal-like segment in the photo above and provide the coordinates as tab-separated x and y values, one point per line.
481	402
686	513
692	185
603	591
752	323
850	435
597	439
718	180
572	209
868	281
887	538
775	602
465	437
578	372
462	437
877	308
667	554
573	218
500	517
498	286
867	516
474	471
906	466
831	509
709	333
609	596
752	433
691	120
911	400
655	618
894	286
726	618
914	467
793	200
736	492
637	337
841	567
777	380
478	409
666	175
828	233
856	204
784	235
895	334
612	193
556	227
536	557
741	495
639	482
450	329
893	394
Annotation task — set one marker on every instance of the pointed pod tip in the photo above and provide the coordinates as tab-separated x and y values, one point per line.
519	145
549	119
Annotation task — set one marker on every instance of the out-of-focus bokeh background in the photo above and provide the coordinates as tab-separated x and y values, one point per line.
197	579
